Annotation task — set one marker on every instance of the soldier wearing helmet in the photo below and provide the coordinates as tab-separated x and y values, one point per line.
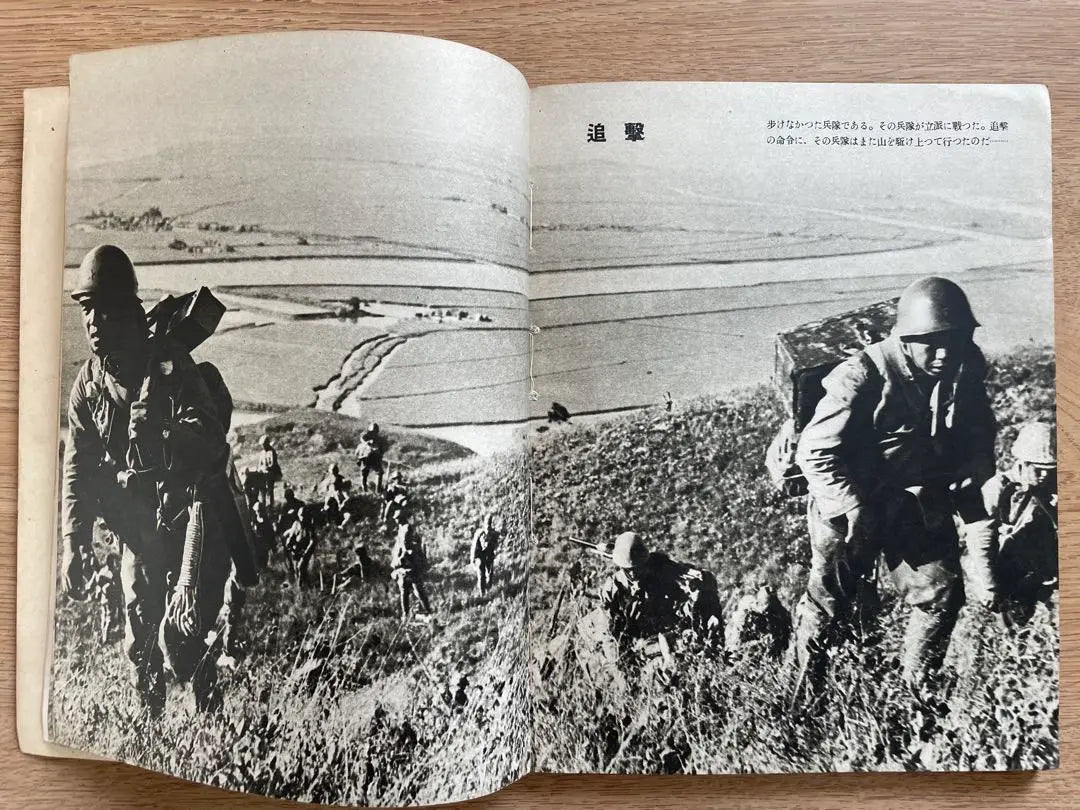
1023	505
898	446
652	597
335	491
485	545
270	470
146	455
369	456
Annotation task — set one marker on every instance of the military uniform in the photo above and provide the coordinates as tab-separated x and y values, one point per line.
369	456
289	511
1025	561
653	599
148	516
408	564
146	455
268	465
896	443
485	545
299	541
335	491
395	500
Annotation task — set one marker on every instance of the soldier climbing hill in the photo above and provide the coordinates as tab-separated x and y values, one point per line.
270	469
408	565
651	608
897	447
485	545
369	456
147	455
1023	505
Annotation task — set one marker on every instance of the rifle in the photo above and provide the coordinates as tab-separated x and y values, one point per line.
596	548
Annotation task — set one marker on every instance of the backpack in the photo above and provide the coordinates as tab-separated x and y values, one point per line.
806	355
190	319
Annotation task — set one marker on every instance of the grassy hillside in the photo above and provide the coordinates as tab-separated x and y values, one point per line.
317	664
693	483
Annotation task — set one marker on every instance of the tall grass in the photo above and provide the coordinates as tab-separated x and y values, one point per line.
692	482
317	663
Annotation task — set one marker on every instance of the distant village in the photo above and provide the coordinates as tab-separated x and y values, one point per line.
152	220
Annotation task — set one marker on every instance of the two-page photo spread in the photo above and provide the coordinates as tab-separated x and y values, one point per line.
420	431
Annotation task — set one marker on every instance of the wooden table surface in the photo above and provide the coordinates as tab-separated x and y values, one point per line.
556	42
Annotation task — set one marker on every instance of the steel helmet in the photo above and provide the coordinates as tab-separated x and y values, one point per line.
629	550
1035	443
106	274
930	305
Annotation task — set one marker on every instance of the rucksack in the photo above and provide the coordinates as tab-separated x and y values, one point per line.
190	319
806	355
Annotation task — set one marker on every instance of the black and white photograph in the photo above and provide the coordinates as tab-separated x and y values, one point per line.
795	496
293	535
420	431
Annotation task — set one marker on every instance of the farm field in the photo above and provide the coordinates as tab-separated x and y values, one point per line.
593	215
463	203
626	349
449	371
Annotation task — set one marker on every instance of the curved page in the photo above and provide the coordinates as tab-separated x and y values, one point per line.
819	530
292	540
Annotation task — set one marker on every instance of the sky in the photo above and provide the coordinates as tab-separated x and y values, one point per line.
135	102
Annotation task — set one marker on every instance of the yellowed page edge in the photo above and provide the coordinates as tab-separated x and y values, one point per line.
42	256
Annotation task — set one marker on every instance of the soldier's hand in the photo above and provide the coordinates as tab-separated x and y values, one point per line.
990	602
73	574
859	524
138	418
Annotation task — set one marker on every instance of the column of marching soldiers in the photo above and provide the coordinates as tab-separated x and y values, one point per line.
295	527
298	525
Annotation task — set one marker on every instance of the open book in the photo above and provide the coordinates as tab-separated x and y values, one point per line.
419	430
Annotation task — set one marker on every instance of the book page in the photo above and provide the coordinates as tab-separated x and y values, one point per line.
293	530
795	500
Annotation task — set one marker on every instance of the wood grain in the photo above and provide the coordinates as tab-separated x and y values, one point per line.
554	42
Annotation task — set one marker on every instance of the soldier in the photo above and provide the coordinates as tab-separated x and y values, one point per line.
299	540
1023	505
263	529
648	599
395	498
147	455
270	468
335	491
408	564
898	445
104	585
290	508
485	544
369	456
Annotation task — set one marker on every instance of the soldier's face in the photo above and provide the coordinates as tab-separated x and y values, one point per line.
110	327
938	354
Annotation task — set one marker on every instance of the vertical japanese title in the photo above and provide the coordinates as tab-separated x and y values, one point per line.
633	130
